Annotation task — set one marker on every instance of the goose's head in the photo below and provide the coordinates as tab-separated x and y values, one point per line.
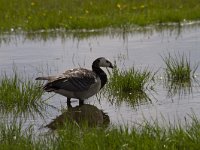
102	62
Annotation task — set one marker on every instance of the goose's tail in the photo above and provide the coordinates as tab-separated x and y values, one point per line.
45	78
42	78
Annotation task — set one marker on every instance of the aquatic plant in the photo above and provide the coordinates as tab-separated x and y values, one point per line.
20	95
130	85
179	73
178	68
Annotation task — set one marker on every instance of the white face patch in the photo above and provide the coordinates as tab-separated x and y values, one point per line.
104	62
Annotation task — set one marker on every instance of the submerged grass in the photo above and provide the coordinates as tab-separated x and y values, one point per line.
19	95
130	85
93	14
147	136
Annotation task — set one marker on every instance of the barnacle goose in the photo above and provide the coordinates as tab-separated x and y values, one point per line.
79	83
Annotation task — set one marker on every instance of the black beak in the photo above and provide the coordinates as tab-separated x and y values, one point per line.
111	66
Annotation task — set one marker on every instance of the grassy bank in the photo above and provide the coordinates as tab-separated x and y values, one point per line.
93	14
146	136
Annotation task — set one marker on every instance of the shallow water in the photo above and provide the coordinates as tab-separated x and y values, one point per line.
38	56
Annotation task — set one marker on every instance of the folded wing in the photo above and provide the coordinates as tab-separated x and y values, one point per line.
72	80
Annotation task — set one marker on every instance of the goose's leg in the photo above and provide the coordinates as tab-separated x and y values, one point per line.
81	102
68	102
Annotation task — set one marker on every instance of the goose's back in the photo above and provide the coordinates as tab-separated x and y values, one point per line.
76	80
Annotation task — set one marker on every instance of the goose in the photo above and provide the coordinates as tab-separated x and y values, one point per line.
78	83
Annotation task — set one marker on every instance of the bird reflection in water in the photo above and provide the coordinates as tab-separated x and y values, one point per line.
82	115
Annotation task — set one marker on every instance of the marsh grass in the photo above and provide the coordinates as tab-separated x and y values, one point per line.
130	85
146	136
92	14
179	74
20	95
13	137
178	68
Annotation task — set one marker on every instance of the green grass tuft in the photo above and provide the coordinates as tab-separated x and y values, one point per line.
179	74
20	95
130	84
178	68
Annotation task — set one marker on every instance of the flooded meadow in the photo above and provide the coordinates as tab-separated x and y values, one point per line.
50	53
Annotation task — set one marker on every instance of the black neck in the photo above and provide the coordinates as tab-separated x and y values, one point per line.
101	74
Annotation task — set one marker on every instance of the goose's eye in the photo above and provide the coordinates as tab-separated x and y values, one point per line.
107	61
